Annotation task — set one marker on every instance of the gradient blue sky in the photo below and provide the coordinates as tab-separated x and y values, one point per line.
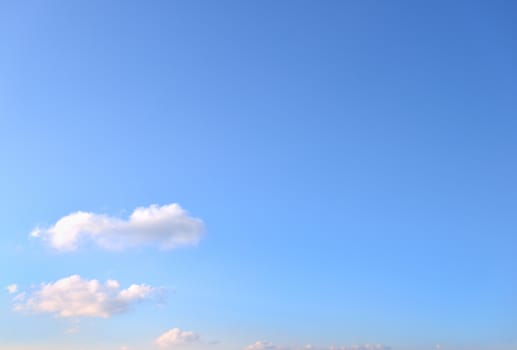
353	162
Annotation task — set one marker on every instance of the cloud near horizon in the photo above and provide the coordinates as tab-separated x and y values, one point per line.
176	336
261	345
77	297
166	227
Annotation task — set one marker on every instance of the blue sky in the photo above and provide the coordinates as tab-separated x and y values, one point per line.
351	166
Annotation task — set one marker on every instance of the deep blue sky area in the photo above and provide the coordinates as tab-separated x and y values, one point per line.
353	164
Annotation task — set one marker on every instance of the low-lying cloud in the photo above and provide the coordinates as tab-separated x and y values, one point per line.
77	297
175	337
262	345
166	227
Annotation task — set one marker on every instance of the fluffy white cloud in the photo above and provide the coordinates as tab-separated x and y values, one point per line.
166	227
76	297
176	336
12	288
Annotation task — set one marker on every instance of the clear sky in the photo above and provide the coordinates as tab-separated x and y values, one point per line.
267	174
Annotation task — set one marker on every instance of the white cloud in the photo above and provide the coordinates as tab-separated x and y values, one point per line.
12	288
76	297
166	227
176	336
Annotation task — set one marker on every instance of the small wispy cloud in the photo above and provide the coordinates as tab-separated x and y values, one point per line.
262	345
73	330
166	227
77	297
12	288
